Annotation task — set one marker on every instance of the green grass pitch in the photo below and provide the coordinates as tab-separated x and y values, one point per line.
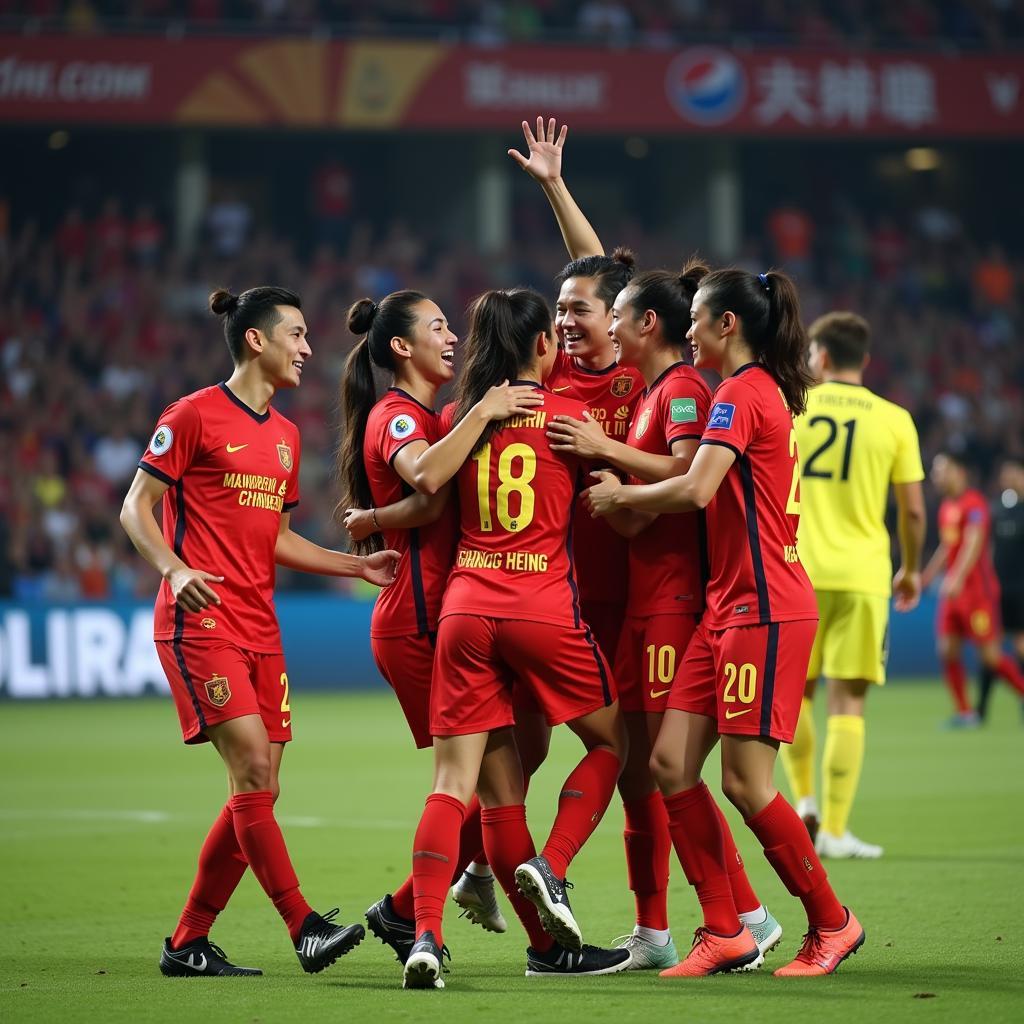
102	811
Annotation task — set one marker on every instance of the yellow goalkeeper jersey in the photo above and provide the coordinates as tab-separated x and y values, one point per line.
852	445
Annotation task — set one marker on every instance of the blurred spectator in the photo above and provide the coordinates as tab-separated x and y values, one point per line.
110	236
228	221
792	234
332	202
145	236
116	454
993	279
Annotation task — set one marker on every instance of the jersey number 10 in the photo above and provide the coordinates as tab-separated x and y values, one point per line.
510	482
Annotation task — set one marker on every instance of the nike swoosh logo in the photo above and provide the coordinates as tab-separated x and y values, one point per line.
200	966
232	448
285	722
736	714
555	391
655	694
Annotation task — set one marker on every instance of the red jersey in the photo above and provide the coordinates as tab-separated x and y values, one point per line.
610	396
232	472
517	498
955	514
668	560
756	575
410	606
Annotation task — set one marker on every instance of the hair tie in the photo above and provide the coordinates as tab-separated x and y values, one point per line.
763	278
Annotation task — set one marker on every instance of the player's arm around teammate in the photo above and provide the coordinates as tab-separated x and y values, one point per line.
746	667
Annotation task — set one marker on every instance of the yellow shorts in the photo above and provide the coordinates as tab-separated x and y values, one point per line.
852	641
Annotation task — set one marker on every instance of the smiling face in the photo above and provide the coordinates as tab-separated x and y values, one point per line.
582	320
707	341
625	329
285	348
430	351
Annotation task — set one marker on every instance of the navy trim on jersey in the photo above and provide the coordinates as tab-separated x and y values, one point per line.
745	367
606	692
419	592
660	378
179	612
683	437
771	657
593	373
259	417
702	547
722	444
526	384
570	573
754	540
289	505
391	461
405	394
153	471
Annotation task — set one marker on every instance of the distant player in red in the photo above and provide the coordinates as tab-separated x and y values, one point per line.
511	614
668	570
969	593
389	464
743	677
225	465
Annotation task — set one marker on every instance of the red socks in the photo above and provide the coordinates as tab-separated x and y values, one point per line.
508	844
584	799
743	894
648	845
695	824
789	850
221	866
435	851
1011	672
259	837
956	681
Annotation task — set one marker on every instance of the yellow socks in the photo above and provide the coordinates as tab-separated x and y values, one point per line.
841	765
798	757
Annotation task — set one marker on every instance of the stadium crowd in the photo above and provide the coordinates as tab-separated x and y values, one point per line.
103	323
970	24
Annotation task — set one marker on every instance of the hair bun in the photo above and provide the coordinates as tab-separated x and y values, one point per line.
360	316
625	256
693	272
222	301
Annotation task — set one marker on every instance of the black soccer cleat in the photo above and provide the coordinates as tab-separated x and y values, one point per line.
537	882
559	962
200	959
425	965
321	942
391	928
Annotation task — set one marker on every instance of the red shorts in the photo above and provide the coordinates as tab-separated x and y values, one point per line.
605	619
650	658
978	621
214	682
407	662
479	660
750	679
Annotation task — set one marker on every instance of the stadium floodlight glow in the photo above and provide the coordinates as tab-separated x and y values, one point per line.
58	139
922	158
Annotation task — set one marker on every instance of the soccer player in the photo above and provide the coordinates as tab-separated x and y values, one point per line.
667	578
511	612
853	444
969	592
225	465
389	454
743	676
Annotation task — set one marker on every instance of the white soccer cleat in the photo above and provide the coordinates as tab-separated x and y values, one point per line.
846	847
475	895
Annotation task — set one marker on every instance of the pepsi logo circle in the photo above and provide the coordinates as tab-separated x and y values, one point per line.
706	86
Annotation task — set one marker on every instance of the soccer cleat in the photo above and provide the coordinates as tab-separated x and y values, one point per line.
823	951
807	808
425	965
718	954
846	847
962	720
321	942
475	894
391	928
646	955
538	884
559	962
200	959
767	934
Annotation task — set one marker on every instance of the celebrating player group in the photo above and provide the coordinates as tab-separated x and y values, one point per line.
585	536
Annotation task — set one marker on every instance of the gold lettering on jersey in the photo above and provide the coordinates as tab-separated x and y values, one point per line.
618	427
526	561
257	491
789	553
513	561
533	419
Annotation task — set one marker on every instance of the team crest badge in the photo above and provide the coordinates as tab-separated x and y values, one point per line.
163	438
284	453
642	423
218	690
622	385
402	426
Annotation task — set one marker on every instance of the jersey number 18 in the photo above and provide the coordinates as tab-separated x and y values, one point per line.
517	466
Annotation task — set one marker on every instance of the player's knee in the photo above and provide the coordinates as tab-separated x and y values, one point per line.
742	791
251	771
668	771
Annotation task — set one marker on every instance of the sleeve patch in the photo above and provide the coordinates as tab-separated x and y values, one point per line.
684	410
402	426
163	438
721	416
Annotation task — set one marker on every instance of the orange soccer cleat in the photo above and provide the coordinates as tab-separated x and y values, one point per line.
717	954
823	951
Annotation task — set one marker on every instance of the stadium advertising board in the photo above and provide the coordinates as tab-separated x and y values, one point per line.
378	85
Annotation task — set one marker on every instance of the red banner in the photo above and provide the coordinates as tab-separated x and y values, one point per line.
382	85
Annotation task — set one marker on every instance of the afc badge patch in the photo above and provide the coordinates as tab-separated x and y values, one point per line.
402	426
642	423
162	440
218	690
622	385
284	453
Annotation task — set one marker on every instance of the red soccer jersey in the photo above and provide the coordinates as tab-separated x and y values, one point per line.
756	575
410	606
516	500
955	514
610	396
668	560
232	472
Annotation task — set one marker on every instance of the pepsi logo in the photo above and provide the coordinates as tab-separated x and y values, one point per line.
706	86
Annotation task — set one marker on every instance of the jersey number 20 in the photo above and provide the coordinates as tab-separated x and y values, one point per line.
517	466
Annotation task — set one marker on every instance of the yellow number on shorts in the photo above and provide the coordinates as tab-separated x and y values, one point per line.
285	706
746	678
509	483
661	661
793	505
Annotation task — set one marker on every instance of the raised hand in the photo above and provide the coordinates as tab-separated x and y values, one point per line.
190	589
544	162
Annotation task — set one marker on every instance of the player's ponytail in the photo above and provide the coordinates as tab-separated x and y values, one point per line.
255	308
393	316
500	345
769	311
668	295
